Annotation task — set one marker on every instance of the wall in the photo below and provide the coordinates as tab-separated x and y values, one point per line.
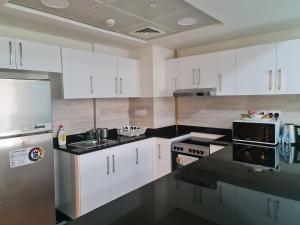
221	111
152	112
242	42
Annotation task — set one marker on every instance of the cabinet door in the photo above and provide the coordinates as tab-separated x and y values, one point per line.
226	206
286	211
7	53
77	74
162	158
226	73
122	175
187	72
172	75
105	78
255	70
254	207
288	67
94	180
128	77
207	70
37	56
143	164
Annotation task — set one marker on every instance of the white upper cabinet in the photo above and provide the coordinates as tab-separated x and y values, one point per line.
94	75
226	73
37	56
256	70
127	77
187	72
7	53
104	75
172	76
206	70
27	55
77	74
288	67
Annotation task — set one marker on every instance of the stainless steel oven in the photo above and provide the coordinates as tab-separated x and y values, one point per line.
260	132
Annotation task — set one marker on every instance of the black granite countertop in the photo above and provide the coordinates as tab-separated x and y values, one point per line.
169	132
190	194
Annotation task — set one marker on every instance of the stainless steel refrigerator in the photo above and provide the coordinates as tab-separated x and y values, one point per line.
26	153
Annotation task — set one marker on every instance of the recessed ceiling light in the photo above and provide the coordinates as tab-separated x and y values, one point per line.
187	21
57	4
110	22
152	4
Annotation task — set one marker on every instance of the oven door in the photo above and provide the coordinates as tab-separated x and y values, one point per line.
180	160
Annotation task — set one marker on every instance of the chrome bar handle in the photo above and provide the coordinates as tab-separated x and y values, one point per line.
91	83
116	85
270	79
200	195
221	194
137	156
269	210
107	162
21	53
159	152
220	82
10	53
113	161
279	79
199	76
121	86
193	76
277	210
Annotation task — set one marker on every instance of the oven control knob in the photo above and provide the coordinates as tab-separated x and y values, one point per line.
201	152
190	150
194	151
181	148
198	152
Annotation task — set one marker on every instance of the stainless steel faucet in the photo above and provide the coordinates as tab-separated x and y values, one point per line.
99	134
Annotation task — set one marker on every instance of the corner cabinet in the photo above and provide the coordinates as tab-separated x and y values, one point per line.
27	55
288	67
94	75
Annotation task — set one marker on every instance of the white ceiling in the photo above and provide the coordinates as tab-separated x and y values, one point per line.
238	18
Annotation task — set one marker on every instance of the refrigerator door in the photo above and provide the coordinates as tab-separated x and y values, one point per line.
26	181
25	107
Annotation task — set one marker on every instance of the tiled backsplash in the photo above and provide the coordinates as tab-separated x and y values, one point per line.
221	111
152	112
77	115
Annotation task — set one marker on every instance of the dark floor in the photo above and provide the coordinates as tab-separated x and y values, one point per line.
61	218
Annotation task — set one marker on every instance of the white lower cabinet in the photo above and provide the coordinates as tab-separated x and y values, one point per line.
286	211
94	180
143	163
162	158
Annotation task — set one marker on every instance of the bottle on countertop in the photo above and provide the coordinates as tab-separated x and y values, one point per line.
62	136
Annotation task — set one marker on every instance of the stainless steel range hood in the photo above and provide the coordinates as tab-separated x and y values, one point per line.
195	92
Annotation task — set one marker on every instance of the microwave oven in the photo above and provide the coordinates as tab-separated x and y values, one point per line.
260	132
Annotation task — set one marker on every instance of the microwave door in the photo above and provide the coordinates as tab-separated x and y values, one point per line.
25	107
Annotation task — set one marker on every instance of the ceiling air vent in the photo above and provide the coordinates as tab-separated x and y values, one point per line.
147	33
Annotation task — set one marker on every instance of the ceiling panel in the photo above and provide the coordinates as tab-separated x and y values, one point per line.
171	21
75	7
141	7
97	17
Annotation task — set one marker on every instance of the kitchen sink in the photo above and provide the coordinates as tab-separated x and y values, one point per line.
93	143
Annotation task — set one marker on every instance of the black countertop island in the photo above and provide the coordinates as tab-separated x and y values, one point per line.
212	190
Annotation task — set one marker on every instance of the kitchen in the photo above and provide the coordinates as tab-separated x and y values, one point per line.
192	72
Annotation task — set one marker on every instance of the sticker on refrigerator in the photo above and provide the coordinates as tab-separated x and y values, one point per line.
22	157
